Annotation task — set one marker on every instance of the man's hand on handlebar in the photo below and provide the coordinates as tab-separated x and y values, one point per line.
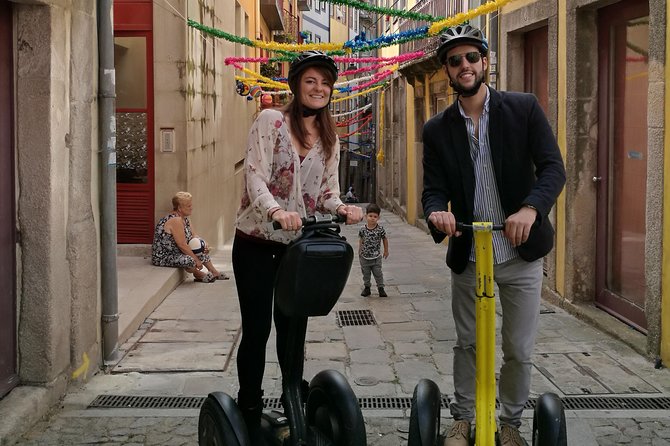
517	226
354	214
444	222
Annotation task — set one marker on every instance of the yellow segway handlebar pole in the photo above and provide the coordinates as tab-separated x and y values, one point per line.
485	394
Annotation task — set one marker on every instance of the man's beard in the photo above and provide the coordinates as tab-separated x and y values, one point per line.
467	92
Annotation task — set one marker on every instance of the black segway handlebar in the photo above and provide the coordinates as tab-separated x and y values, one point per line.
327	220
460	226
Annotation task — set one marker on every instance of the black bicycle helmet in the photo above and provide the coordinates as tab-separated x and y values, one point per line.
461	35
308	59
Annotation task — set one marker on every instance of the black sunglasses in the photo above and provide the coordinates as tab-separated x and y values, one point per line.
471	57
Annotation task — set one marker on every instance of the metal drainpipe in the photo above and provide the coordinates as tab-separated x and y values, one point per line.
107	125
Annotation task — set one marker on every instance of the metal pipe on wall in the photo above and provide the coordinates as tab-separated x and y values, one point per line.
107	124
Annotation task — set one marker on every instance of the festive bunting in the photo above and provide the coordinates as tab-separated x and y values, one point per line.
366	122
365	107
380	136
387	11
361	93
360	43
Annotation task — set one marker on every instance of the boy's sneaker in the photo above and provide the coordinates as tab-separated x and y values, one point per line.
382	293
366	291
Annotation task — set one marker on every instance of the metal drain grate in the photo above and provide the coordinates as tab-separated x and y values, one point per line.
147	402
346	318
379	403
616	403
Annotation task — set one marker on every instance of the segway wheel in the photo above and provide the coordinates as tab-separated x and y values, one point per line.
549	427
332	410
221	423
424	420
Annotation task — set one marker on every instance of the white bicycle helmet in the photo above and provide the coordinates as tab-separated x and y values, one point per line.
461	35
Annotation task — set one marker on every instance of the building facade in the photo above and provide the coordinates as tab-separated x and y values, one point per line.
599	71
180	125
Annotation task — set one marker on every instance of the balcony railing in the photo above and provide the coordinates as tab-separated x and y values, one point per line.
291	31
436	8
271	10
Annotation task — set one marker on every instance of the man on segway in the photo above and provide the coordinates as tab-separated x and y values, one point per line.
492	157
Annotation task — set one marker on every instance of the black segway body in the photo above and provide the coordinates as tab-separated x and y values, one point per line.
313	272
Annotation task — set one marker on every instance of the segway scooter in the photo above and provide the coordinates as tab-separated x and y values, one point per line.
310	279
549	418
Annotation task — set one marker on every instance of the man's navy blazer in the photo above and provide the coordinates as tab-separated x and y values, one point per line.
526	160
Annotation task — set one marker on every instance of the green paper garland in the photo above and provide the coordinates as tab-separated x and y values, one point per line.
387	11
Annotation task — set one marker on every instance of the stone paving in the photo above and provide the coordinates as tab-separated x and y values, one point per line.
187	348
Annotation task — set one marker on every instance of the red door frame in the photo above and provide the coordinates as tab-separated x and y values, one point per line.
135	202
8	376
605	299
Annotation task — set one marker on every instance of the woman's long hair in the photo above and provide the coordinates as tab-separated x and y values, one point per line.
324	121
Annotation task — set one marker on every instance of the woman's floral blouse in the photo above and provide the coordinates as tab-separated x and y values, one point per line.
274	176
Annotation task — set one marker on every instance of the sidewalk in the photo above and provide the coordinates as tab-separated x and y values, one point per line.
186	348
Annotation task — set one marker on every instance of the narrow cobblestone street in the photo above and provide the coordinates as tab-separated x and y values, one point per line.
187	349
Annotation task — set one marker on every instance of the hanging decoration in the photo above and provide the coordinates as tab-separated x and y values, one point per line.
360	93
242	88
365	107
375	79
386	11
360	44
338	59
380	140
355	132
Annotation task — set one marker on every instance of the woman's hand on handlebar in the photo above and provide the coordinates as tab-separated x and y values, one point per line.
289	221
354	214
444	222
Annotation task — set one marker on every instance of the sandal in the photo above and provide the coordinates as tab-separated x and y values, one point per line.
221	276
207	278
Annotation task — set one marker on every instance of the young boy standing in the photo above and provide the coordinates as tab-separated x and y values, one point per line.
370	237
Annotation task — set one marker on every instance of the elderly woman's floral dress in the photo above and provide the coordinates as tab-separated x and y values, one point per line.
165	251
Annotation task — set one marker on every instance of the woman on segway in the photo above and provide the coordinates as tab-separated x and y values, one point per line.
291	171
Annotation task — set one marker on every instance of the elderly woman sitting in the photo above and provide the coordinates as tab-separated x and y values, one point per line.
171	243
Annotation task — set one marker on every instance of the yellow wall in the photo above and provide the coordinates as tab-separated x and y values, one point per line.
338	30
665	280
562	142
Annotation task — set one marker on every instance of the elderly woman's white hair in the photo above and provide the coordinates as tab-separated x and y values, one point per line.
180	198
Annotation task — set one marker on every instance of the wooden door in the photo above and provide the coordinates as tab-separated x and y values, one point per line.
622	160
8	376
133	63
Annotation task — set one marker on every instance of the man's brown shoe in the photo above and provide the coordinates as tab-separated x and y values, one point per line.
510	436
458	434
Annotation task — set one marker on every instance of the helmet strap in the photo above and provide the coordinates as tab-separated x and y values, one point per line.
307	111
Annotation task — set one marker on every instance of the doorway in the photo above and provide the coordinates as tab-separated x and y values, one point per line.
536	61
133	63
623	37
8	376
134	136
